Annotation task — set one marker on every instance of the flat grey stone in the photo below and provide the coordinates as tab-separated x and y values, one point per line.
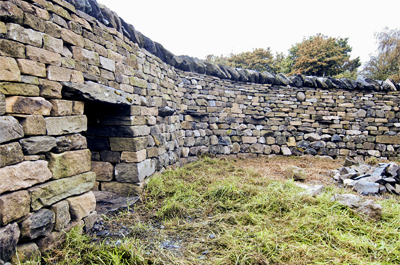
108	202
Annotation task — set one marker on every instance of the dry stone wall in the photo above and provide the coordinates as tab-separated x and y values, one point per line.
84	108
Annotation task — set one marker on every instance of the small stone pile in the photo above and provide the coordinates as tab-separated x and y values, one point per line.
367	179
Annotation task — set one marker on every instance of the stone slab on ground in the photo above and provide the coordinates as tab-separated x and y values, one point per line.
109	202
368	209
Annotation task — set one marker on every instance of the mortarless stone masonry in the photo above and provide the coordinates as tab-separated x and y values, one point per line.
77	95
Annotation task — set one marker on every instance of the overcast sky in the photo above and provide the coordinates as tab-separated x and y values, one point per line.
199	28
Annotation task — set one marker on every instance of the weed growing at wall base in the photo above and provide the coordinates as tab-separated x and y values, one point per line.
214	212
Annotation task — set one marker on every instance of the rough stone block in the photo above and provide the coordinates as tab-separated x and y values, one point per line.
134	172
18	89
53	191
56	239
61	214
2	104
38	224
27	36
70	142
12	49
110	156
10	129
52	44
49	89
107	64
10	154
387	139
72	38
39	144
134	157
104	171
43	56
66	125
9	236
77	77
249	140
34	22
78	107
25	253
9	70
56	73
30	67
28	105
33	125
23	175
10	12
69	163
14	206
128	144
86	56
61	107
81	206
127	189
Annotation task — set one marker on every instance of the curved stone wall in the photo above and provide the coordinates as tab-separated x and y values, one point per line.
83	107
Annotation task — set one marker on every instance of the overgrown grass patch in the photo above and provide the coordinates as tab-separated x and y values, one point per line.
215	212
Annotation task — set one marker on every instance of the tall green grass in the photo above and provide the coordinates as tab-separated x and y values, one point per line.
222	214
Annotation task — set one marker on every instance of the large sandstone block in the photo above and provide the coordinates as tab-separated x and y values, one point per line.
61	214
387	139
38	224
10	129
69	163
39	144
12	49
61	107
28	105
18	89
14	206
86	56
134	157
134	172
43	56
127	189
56	73
52	44
9	70
70	142
34	22
50	89
72	38
30	67
33	125
9	236
23	175
10	12
128	144
53	191
82	205
27	36
66	125
104	170
10	154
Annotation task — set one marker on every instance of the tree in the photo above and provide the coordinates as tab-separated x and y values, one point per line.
386	63
259	59
320	55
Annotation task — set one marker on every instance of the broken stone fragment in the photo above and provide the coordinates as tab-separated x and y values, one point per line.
368	209
296	173
9	236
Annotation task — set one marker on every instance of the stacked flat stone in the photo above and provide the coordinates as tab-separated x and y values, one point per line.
83	106
247	119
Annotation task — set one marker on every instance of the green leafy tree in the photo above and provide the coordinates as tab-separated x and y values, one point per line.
386	63
320	55
259	59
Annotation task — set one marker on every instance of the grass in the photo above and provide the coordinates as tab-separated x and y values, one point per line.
230	212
